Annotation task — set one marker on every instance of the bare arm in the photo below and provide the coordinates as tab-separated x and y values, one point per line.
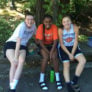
54	46
17	48
61	42
43	46
76	29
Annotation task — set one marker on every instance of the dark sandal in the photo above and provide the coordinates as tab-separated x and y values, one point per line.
76	88
43	86
11	90
59	85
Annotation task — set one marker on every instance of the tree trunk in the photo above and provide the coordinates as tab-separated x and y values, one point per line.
55	10
65	1
12	6
39	11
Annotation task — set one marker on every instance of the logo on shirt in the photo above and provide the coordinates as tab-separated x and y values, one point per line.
48	36
28	32
69	39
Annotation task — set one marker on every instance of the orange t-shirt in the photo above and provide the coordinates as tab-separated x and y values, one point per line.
50	34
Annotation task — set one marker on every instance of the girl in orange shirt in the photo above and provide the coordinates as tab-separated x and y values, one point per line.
47	36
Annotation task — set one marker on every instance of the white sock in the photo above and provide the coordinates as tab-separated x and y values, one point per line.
42	75
10	85
58	79
14	84
57	76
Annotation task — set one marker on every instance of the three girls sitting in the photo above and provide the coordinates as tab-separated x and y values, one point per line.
47	36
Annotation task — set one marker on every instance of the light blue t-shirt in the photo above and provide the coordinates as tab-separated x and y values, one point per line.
23	32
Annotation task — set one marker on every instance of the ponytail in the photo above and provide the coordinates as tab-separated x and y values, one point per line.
43	32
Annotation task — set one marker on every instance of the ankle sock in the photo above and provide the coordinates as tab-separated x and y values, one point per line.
14	84
42	75
57	75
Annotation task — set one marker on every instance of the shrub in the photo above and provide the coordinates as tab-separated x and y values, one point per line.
5	31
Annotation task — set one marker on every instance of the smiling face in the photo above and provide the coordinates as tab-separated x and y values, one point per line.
29	20
66	22
47	22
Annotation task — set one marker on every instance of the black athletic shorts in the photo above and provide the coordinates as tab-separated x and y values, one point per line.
12	45
49	47
64	57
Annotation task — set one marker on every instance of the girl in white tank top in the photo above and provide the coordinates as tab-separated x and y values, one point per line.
69	36
68	51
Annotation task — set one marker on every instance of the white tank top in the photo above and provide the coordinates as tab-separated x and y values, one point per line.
69	36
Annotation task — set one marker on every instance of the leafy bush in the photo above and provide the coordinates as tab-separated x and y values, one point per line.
5	30
7	26
83	38
29	5
3	3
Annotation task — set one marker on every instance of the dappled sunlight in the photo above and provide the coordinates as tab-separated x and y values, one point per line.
90	26
9	12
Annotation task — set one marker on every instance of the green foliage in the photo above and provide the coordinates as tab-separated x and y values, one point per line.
3	3
64	9
5	30
7	27
30	5
79	5
48	7
83	38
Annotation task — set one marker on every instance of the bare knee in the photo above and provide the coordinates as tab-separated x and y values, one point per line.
45	58
21	62
22	57
82	61
13	64
54	56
